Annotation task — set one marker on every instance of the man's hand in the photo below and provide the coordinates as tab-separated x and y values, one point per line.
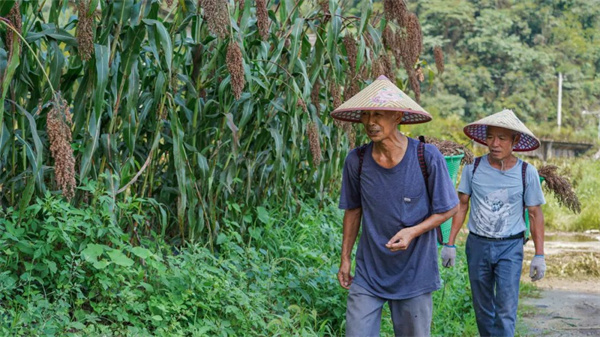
343	275
401	240
537	268
448	255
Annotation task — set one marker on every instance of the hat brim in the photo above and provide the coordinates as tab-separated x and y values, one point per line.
381	95
409	117
478	133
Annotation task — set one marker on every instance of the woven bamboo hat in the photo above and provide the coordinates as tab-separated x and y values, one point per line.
503	119
381	95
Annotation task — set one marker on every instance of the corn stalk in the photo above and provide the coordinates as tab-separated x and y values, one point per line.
154	109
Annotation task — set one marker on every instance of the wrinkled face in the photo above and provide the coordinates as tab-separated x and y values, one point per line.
380	125
500	142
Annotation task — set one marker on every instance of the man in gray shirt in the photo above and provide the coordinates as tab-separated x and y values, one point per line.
499	187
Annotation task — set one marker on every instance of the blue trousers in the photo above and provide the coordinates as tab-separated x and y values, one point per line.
411	317
494	273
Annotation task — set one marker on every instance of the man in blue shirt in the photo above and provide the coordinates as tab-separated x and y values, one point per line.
499	186
384	187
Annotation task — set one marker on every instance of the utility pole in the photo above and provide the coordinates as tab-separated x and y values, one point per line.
558	113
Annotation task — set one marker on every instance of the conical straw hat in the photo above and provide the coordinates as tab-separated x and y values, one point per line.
381	95
504	119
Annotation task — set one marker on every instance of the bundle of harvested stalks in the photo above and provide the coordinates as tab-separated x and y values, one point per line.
450	148
560	187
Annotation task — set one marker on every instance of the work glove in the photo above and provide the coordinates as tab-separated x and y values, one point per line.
537	268
448	255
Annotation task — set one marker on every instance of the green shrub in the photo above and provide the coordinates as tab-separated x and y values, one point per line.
74	272
70	271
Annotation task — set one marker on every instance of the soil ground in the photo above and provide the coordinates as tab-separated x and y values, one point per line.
569	301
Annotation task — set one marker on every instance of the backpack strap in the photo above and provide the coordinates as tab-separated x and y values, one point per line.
423	166
360	151
475	164
523	172
422	163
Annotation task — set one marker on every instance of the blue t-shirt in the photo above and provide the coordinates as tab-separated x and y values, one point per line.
497	197
393	199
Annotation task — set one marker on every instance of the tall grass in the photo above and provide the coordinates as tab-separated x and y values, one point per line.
584	175
205	110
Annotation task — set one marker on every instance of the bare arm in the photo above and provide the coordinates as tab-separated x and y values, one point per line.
402	239
351	226
536	219
459	218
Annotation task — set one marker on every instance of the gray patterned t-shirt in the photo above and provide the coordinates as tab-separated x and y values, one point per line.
497	197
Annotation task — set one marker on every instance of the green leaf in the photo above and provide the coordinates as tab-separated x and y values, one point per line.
102	72
236	207
119	258
27	194
296	31
263	215
101	264
165	40
3	60
367	8
121	12
6	6
77	325
255	233
132	45
180	165
92	252
93	5
38	154
7	78
202	162
333	33
51	266
278	141
141	252
102	54
360	56
221	238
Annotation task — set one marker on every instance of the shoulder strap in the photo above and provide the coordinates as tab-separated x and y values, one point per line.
523	180
523	173
360	151
422	163
475	164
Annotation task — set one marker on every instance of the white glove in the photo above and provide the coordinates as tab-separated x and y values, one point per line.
537	268
448	255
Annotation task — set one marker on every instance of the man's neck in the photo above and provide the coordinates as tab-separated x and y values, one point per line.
389	152
504	164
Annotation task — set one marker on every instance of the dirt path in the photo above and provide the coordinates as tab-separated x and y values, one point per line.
569	303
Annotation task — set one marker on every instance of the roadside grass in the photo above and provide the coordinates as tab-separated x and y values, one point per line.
584	175
75	271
